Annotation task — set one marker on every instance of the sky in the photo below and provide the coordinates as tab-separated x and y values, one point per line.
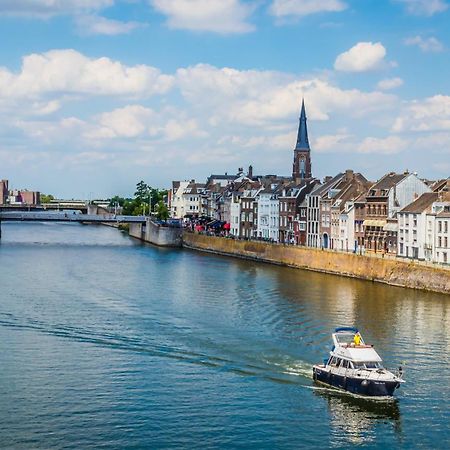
96	95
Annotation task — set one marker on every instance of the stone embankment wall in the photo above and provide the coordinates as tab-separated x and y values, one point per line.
390	271
156	234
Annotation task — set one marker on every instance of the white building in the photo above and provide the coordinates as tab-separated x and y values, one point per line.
346	240
268	214
442	242
188	199
424	227
235	215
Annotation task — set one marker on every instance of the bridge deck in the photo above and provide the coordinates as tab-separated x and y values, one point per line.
67	217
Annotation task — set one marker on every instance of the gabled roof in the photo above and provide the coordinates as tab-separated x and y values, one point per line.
421	204
389	181
322	189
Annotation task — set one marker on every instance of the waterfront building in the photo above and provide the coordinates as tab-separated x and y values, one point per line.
423	226
268	213
187	199
3	192
177	206
319	215
249	210
442	243
341	198
30	197
383	201
290	199
302	168
359	217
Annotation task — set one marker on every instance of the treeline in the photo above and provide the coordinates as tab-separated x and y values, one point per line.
145	198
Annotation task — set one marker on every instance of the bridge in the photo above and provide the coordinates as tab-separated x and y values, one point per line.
46	207
33	216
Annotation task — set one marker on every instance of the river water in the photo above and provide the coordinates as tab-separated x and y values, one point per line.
109	343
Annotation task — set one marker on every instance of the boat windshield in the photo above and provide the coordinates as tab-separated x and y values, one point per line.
367	365
345	338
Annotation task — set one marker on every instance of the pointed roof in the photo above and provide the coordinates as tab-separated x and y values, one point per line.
302	137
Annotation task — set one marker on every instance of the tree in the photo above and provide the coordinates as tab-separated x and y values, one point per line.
162	212
142	191
47	198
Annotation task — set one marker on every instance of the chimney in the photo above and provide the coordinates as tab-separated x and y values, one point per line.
349	174
250	171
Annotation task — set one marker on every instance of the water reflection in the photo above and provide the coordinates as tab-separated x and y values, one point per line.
354	419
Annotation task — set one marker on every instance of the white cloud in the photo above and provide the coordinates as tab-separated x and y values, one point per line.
130	121
68	71
46	8
219	16
101	25
430	114
265	98
331	142
430	44
300	8
383	146
389	83
362	57
424	7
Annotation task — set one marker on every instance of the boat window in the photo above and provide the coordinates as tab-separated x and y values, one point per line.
358	365
345	364
333	361
373	365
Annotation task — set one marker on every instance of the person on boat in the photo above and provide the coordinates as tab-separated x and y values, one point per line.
357	339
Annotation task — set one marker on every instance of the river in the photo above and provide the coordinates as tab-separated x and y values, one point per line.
109	343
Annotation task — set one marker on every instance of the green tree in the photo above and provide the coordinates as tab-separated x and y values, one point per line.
162	212
47	198
142	191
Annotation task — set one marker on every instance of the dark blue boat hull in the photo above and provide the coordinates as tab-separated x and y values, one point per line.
356	385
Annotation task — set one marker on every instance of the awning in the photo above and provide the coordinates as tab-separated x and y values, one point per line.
374	223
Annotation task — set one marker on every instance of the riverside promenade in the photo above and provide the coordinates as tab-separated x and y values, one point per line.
394	272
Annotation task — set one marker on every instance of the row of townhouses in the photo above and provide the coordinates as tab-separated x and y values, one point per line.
400	214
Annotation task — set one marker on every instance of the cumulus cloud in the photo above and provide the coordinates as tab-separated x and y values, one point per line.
219	16
70	72
129	121
332	142
265	98
424	7
101	25
300	8
431	114
389	83
362	57
384	146
46	8
427	45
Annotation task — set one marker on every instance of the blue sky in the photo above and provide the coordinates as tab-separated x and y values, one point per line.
98	94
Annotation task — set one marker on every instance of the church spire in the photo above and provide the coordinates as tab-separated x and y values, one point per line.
302	137
301	169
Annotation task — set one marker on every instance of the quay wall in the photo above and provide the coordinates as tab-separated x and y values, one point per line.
389	271
156	234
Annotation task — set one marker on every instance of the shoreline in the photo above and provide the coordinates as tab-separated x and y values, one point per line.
392	272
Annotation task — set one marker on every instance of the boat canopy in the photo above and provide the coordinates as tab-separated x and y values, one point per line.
352	329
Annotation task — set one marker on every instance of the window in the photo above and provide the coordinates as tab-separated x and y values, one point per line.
440	226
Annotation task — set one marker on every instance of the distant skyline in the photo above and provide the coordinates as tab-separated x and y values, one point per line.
98	94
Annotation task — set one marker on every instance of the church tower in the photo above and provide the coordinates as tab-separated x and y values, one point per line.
302	152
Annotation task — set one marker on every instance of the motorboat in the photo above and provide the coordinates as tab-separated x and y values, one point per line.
356	367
